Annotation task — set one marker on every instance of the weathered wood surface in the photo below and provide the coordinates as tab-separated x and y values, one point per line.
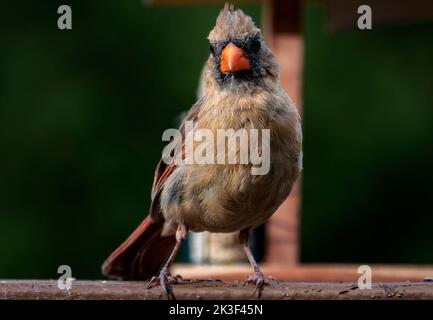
212	289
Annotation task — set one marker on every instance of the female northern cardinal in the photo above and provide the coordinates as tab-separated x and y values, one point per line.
242	91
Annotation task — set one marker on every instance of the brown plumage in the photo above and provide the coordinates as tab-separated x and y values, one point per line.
242	91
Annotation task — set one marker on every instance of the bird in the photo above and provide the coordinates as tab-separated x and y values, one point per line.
242	90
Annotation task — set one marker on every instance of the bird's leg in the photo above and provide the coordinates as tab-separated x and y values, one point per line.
165	278
257	278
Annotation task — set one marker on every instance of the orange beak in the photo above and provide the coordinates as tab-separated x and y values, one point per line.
233	59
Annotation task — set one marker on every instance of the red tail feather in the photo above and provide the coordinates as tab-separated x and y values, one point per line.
142	254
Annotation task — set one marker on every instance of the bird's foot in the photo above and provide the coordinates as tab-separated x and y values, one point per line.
260	281
165	279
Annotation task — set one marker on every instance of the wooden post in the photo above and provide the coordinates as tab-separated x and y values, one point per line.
282	27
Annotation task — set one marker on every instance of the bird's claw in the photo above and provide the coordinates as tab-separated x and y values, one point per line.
260	281
165	279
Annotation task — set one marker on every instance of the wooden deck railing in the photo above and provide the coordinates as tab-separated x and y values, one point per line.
215	290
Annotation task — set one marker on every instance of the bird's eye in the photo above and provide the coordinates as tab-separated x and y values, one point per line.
212	49
255	45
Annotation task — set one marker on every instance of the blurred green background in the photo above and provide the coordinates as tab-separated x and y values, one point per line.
368	127
82	113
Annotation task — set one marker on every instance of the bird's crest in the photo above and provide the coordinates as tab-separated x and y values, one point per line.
234	24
